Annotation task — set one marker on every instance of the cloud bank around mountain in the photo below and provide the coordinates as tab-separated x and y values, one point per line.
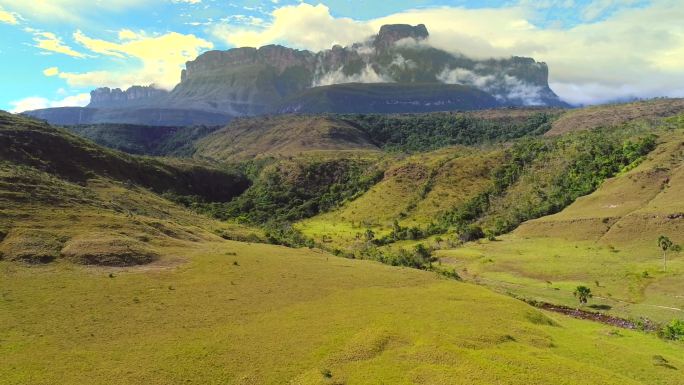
635	52
616	49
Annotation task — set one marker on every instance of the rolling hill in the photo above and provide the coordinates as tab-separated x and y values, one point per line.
65	197
616	114
172	300
281	136
606	239
237	313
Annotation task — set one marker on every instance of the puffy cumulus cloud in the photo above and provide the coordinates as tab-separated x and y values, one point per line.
35	103
636	52
300	26
8	17
48	41
156	59
627	52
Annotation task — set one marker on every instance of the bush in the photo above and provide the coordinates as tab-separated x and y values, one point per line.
470	233
673	331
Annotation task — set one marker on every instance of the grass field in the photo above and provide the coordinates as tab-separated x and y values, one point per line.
237	313
186	306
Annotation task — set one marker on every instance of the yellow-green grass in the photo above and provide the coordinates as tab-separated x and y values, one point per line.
634	207
414	191
630	281
235	313
43	218
609	236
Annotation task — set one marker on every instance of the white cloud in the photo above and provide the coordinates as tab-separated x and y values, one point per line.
68	10
367	75
514	88
598	8
300	26
52	71
35	103
50	42
8	17
639	50
127	34
158	59
467	77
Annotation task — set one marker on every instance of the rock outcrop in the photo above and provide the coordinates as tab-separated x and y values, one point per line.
114	98
392	33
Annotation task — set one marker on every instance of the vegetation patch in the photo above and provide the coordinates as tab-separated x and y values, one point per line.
31	246
108	250
424	132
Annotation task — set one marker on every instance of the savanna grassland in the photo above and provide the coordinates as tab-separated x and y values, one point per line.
237	313
344	249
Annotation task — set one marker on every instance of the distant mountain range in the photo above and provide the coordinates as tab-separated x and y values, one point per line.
394	71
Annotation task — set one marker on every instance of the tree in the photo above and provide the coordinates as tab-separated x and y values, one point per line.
370	235
582	293
665	244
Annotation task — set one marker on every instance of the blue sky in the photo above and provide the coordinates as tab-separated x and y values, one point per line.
55	51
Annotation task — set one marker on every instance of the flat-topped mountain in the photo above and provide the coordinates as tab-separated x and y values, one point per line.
250	81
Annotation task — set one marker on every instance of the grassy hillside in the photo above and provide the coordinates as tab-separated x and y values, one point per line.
424	132
207	310
467	194
234	313
606	240
281	136
63	197
144	140
615	114
33	143
413	191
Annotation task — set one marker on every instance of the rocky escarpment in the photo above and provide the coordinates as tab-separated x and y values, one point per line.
248	81
133	96
392	33
271	79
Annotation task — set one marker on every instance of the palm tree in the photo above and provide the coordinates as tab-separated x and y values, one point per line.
582	293
665	244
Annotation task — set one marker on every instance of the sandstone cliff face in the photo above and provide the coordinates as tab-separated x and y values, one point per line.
278	57
248	80
392	33
136	95
252	81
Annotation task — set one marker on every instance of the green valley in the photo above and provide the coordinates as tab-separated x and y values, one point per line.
342	249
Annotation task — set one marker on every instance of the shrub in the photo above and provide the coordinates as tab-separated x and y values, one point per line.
673	331
470	233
